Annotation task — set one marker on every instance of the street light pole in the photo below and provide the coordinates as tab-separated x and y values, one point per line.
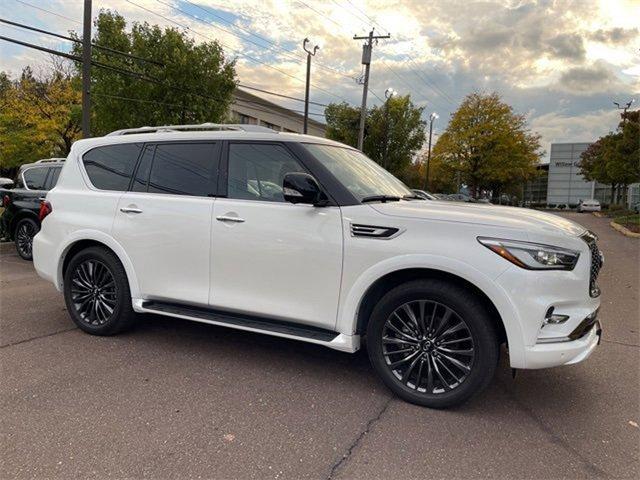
388	93
306	89
624	108
432	117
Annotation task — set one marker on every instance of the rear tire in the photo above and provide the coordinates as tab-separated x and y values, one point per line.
25	230
432	343
96	291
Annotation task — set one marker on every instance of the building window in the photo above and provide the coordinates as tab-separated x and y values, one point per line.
247	120
272	126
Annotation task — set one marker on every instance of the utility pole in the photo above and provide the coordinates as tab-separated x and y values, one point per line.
306	90
388	93
624	108
86	70
432	117
366	61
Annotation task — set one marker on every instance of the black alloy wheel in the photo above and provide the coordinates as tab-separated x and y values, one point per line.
433	343
93	292
96	291
26	229
428	347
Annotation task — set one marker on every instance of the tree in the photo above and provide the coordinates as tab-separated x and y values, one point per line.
488	145
39	116
190	83
394	131
614	159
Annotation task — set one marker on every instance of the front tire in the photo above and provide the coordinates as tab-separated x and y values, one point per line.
432	343
25	230
96	291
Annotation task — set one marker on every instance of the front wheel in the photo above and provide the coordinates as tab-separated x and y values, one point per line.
26	229
432	343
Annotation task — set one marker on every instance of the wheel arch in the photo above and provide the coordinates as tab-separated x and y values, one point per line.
359	301
20	215
90	239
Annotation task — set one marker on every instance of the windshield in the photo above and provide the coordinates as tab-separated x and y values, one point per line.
361	176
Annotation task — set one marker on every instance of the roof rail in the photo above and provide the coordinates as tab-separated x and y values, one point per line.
193	128
50	160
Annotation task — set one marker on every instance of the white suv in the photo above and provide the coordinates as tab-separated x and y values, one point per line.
305	238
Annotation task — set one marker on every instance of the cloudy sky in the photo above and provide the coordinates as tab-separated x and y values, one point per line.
560	62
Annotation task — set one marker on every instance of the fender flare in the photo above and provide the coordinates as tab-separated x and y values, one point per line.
109	242
349	307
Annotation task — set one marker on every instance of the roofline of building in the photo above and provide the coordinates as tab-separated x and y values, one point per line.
284	110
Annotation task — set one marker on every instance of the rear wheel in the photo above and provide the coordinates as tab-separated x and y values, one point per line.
96	291
432	343
25	230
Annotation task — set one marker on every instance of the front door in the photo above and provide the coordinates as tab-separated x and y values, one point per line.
164	221
269	257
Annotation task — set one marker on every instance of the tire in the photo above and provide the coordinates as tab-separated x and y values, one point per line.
24	232
433	301
96	292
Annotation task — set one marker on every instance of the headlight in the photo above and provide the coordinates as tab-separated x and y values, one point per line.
532	256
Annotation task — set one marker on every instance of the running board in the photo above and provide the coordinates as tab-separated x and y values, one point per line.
280	328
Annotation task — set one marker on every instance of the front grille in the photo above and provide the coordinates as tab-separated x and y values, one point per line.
596	263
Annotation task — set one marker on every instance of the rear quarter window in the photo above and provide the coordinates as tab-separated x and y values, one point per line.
110	167
35	178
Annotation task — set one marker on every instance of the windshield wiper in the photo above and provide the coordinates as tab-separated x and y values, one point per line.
412	197
381	198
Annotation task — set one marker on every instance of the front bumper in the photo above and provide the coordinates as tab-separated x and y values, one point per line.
565	351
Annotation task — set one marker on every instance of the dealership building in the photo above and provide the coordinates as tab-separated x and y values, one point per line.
560	182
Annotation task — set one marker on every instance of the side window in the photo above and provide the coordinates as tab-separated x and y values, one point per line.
52	179
183	169
256	171
35	178
141	178
110	167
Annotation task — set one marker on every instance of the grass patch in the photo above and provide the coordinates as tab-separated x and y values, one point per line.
631	222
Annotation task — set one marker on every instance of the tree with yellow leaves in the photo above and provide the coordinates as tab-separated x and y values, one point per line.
39	116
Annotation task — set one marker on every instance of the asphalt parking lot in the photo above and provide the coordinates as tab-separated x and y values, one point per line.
175	399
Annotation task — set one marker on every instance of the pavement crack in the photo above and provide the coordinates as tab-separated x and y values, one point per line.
336	466
592	468
12	344
604	340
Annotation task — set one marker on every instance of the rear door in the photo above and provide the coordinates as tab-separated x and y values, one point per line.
164	220
271	258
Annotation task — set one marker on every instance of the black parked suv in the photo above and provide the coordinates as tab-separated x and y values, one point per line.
21	203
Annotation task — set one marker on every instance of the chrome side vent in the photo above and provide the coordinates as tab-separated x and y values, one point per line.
373	231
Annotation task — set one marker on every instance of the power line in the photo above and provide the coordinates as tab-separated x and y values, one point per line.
76	40
138	76
278	46
186	27
49	12
281	95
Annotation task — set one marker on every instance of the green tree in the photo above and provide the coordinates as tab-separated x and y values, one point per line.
193	83
39	116
614	159
488	145
343	122
394	132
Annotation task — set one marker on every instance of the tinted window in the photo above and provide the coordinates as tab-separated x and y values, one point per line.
144	167
35	177
54	173
256	171
110	167
183	169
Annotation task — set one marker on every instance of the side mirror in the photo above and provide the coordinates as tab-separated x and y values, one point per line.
6	183
303	188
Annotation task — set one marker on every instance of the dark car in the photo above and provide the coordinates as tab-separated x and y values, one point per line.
21	203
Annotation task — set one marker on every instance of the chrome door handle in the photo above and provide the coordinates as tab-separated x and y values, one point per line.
130	210
225	218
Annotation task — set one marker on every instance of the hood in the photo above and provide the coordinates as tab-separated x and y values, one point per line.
481	214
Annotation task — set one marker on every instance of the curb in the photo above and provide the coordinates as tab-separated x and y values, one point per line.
625	231
598	214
